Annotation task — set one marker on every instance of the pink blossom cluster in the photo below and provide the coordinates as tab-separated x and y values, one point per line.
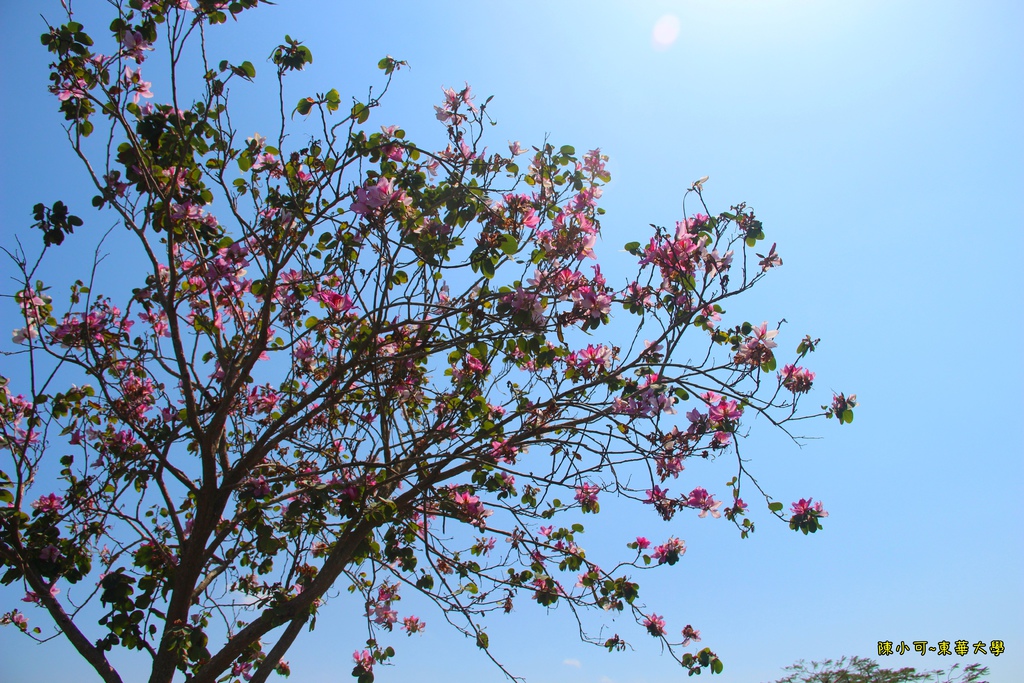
803	508
380	610
13	410
472	508
503	451
798	380
413	625
35	308
526	301
103	323
34	598
573	233
649	398
71	88
448	112
382	194
133	84
364	662
756	350
586	496
655	625
690	634
699	498
51	503
658	497
514	213
136	397
134	46
670	551
262	400
592	361
471	370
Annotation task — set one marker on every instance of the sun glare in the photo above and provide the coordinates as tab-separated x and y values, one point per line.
666	30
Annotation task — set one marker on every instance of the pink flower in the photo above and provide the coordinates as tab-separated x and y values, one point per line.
700	498
392	152
135	45
656	494
49	503
374	197
586	496
669	552
690	633
364	661
339	303
243	669
472	507
133	83
803	507
70	89
797	380
655	625
34	598
642	543
413	625
757	349
725	410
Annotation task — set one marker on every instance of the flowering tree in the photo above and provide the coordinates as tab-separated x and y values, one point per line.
865	670
353	361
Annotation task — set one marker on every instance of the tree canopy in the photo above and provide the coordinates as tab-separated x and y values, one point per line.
866	670
338	359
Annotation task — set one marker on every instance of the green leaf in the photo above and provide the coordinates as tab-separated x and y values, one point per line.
305	105
632	247
249	69
509	244
567	150
775	507
482	641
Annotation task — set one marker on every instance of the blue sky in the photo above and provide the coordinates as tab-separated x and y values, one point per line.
881	144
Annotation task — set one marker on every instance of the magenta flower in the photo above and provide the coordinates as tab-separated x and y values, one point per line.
642	543
49	554
49	503
364	661
19	620
34	598
134	84
700	498
413	625
339	303
725	410
803	507
655	625
806	516
586	496
798	380
670	551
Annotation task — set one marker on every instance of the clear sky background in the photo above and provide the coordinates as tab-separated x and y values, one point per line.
881	143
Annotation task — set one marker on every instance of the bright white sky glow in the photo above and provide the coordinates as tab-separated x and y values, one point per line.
666	30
